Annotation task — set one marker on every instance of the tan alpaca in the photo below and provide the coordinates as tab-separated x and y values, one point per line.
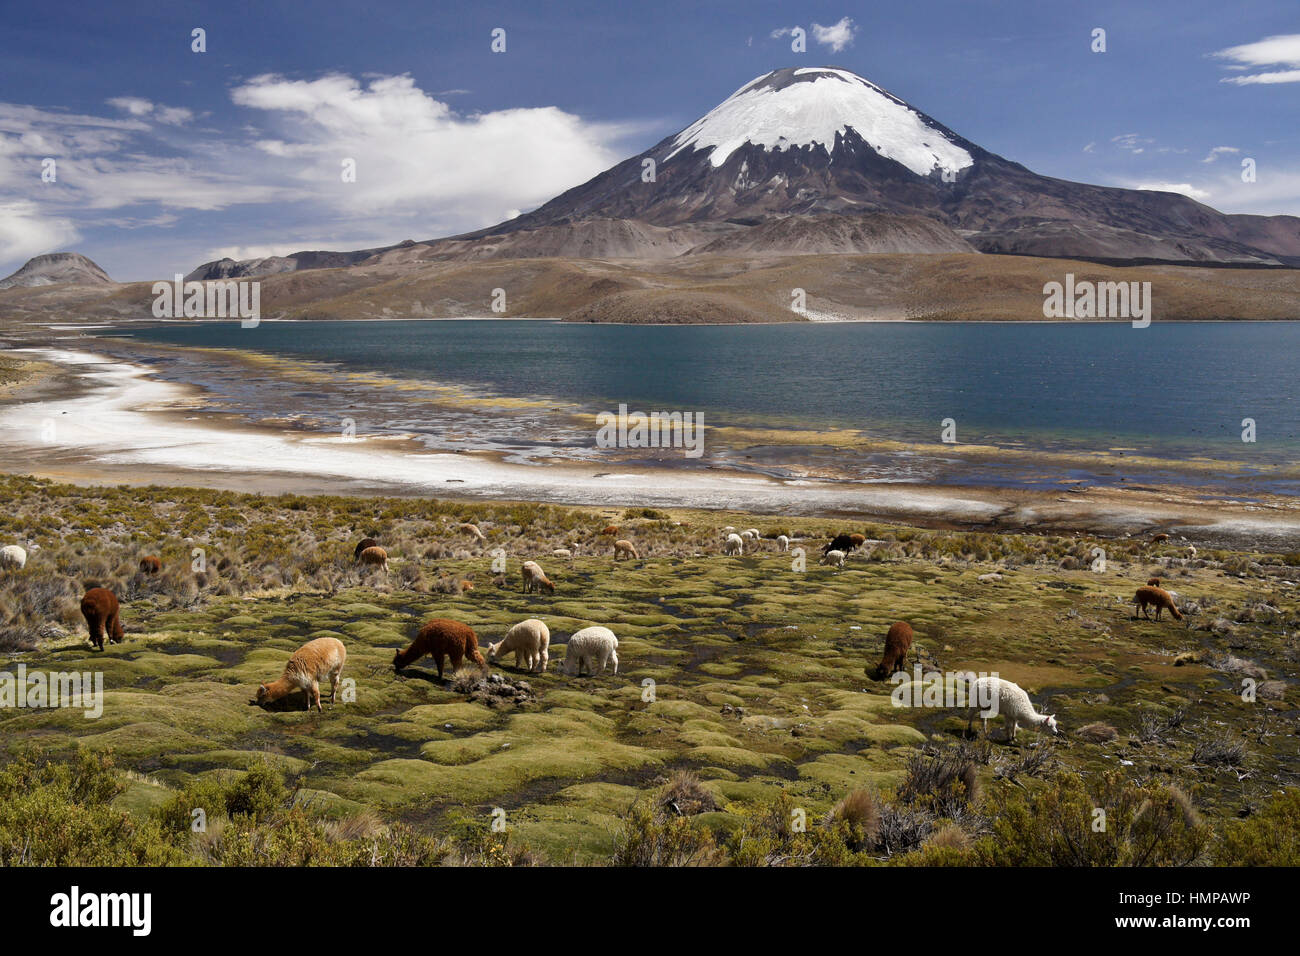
1159	597
374	556
305	670
473	531
624	549
535	578
529	640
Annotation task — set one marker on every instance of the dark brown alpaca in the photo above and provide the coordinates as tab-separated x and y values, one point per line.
841	542
1157	596
443	638
897	643
100	609
362	545
150	565
1153	582
1158	538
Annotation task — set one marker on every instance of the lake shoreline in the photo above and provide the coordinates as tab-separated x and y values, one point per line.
118	424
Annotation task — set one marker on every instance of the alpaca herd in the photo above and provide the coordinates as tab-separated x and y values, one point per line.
593	649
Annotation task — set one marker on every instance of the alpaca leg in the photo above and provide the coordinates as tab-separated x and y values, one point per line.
613	656
439	656
542	660
456	658
313	696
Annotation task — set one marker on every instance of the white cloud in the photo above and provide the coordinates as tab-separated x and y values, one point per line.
414	154
1282	50
1218	151
25	232
1132	142
136	106
1187	189
836	36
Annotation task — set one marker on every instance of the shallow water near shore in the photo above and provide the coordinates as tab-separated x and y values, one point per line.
1138	402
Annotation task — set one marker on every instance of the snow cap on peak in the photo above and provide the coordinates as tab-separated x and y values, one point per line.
809	106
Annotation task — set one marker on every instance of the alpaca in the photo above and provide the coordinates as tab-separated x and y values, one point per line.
733	545
1161	598
610	530
100	609
841	542
748	536
443	638
1191	551
1007	700
1158	538
529	640
856	541
594	646
305	670
535	578
150	564
13	556
563	553
624	549
897	643
833	557
362	545
753	533
374	556
1153	582
473	531
782	543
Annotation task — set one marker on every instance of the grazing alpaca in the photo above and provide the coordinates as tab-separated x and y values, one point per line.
856	541
12	556
100	609
841	542
624	549
1161	598
473	531
833	557
1153	582
610	530
443	638
733	545
362	545
563	553
374	556
1008	701
1158	538
782	543
535	577
1191	551
150	564
305	670
529	640
897	643
594	646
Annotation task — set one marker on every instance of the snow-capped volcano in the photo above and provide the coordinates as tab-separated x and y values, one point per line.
820	107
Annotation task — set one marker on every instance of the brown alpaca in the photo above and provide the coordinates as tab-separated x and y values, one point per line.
150	565
443	638
362	545
101	611
535	578
858	540
1157	596
1153	582
611	530
305	670
1156	539
897	643
374	556
472	529
624	549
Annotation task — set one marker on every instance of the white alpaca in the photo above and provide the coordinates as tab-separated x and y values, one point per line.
562	553
733	545
12	556
782	543
833	557
994	697
529	640
594	646
624	549
535	578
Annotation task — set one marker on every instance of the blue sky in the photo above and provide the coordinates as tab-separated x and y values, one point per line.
165	158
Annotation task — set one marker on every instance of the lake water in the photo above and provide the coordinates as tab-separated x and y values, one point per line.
1172	390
